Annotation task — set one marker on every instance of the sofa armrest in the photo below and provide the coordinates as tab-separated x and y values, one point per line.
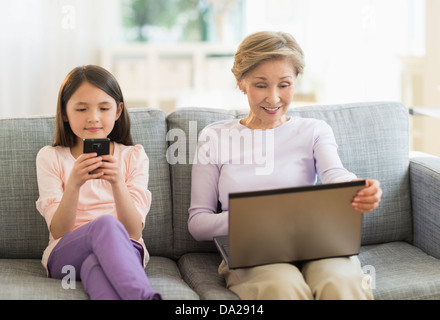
425	192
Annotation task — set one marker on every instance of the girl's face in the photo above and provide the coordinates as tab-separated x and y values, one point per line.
270	88
91	113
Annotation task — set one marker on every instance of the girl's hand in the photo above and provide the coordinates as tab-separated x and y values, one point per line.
368	198
84	169
110	170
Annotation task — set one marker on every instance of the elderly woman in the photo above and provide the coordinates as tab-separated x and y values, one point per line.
266	68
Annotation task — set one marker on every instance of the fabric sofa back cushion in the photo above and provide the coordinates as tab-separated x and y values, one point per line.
373	143
23	230
148	128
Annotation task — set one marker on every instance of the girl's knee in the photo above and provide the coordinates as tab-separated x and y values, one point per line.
105	219
108	226
107	222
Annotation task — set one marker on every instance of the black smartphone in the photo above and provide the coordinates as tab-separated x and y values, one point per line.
100	146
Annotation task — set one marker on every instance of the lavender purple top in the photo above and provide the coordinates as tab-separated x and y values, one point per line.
233	158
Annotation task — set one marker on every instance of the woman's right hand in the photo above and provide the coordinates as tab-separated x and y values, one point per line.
83	169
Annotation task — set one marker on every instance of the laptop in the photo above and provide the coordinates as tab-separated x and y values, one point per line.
291	225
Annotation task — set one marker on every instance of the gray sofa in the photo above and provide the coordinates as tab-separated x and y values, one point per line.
400	241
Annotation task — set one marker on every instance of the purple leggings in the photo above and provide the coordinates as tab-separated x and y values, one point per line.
105	260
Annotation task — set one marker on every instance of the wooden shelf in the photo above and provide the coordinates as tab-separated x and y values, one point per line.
156	75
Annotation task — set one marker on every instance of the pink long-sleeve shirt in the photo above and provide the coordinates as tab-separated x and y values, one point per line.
233	158
54	165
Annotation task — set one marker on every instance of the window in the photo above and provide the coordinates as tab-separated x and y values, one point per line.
182	20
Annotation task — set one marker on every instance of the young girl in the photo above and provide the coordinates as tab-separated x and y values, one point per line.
95	206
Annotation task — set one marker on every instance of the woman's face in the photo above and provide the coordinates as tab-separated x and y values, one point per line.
270	88
91	112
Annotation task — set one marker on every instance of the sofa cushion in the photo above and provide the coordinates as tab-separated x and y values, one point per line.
200	271
24	233
165	278
424	174
148	127
373	143
401	271
25	279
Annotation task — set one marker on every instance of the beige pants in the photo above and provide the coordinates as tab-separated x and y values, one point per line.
325	279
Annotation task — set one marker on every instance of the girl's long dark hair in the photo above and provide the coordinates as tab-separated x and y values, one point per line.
103	80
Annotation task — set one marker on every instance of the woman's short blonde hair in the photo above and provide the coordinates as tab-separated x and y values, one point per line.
266	45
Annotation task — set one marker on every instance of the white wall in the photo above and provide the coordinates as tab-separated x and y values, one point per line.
41	41
428	129
352	47
432	59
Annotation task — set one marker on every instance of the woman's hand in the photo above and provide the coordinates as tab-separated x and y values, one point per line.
369	197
